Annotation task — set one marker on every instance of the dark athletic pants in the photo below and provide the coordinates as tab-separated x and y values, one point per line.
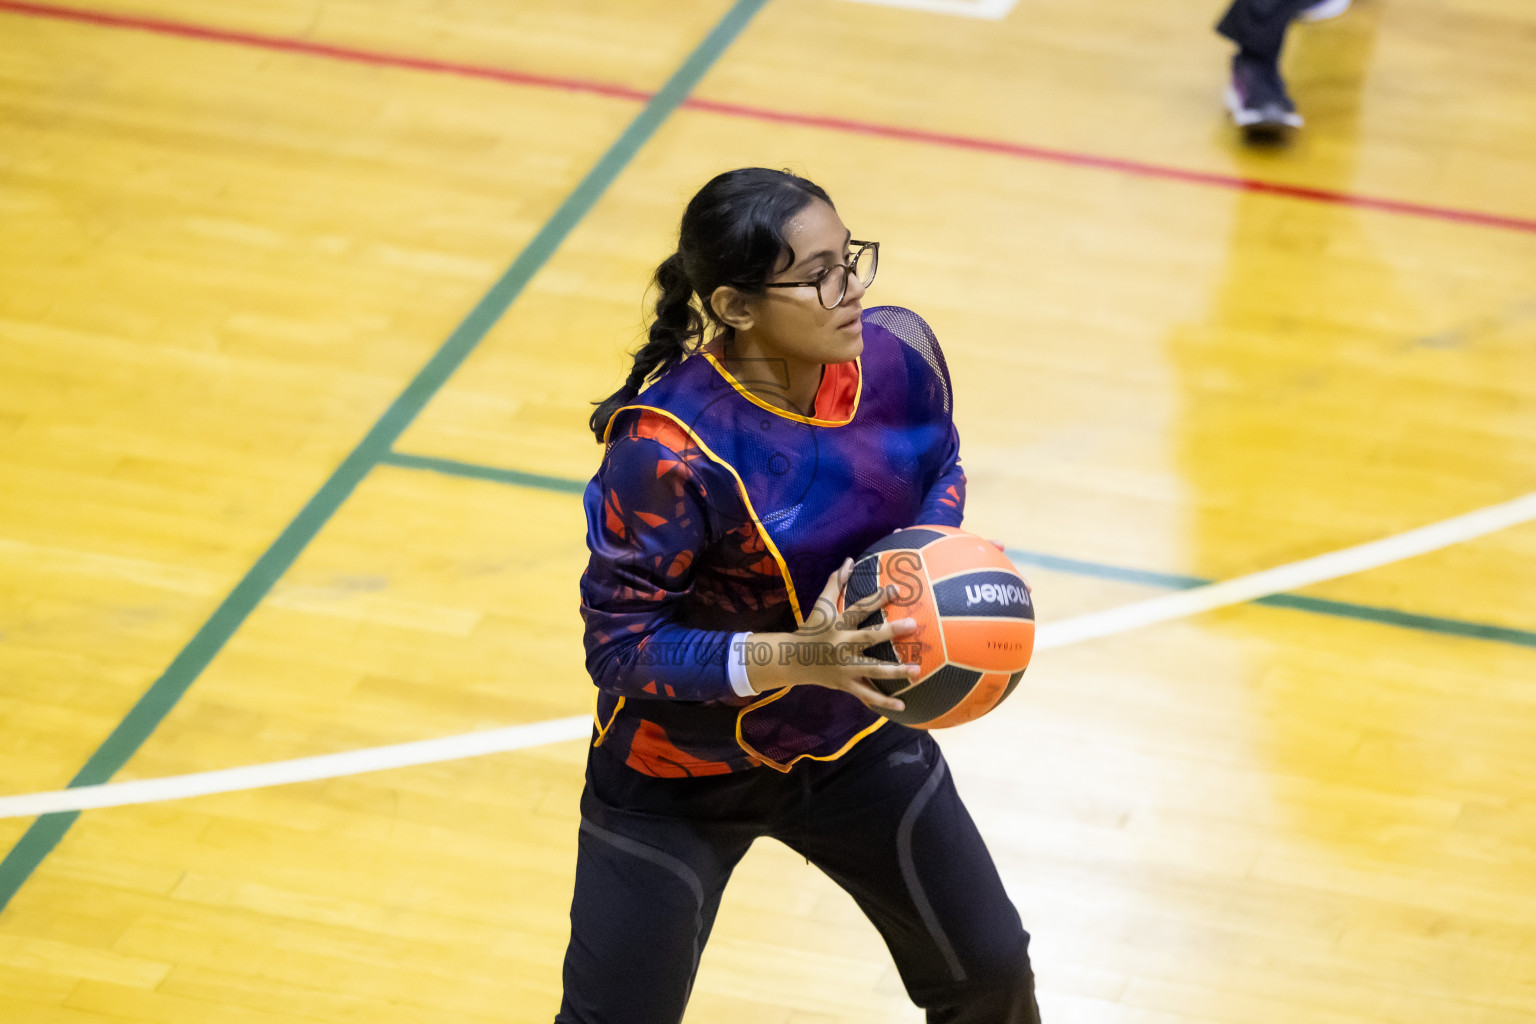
1258	26
884	822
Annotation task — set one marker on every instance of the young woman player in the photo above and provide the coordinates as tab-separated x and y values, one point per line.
785	429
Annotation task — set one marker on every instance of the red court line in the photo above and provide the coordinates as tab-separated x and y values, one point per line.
1134	167
975	144
219	35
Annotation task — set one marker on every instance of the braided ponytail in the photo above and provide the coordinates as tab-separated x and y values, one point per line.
676	325
732	234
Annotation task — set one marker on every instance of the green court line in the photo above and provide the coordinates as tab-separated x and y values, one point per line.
1059	563
453	467
157	702
1295	602
1102	571
1405	620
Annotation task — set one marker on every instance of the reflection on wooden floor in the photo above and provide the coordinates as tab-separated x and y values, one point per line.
221	262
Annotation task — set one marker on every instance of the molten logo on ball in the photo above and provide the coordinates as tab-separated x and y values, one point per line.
992	593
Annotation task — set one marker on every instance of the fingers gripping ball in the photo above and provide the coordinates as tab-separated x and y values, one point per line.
975	622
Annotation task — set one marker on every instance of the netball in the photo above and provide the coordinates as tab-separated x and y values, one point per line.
975	622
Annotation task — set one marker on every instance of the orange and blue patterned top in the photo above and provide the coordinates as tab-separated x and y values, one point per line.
715	514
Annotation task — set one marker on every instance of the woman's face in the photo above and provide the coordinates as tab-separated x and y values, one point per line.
791	322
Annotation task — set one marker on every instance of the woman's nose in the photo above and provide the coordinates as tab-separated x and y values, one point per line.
856	289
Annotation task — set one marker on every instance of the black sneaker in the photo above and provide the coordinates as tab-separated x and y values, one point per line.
1257	99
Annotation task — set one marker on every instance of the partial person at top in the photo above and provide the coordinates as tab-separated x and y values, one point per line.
1256	96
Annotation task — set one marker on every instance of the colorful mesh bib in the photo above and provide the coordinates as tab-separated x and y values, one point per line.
818	491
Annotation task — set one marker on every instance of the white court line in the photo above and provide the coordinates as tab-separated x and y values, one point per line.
536	734
1289	577
303	769
990	10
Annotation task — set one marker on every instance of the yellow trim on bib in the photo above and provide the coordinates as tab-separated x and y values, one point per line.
776	766
773	549
602	730
741	389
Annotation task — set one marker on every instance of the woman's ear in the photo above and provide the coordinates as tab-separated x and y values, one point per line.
731	307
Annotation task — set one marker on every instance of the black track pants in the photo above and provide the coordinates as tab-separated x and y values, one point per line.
1258	26
884	822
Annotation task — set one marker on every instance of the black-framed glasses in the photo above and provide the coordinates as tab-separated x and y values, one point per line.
832	283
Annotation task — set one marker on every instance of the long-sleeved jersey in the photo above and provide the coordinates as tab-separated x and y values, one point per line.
715	514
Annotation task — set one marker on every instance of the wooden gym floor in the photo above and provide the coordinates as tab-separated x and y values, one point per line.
276	480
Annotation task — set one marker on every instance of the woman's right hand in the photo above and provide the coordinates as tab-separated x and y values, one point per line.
828	650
